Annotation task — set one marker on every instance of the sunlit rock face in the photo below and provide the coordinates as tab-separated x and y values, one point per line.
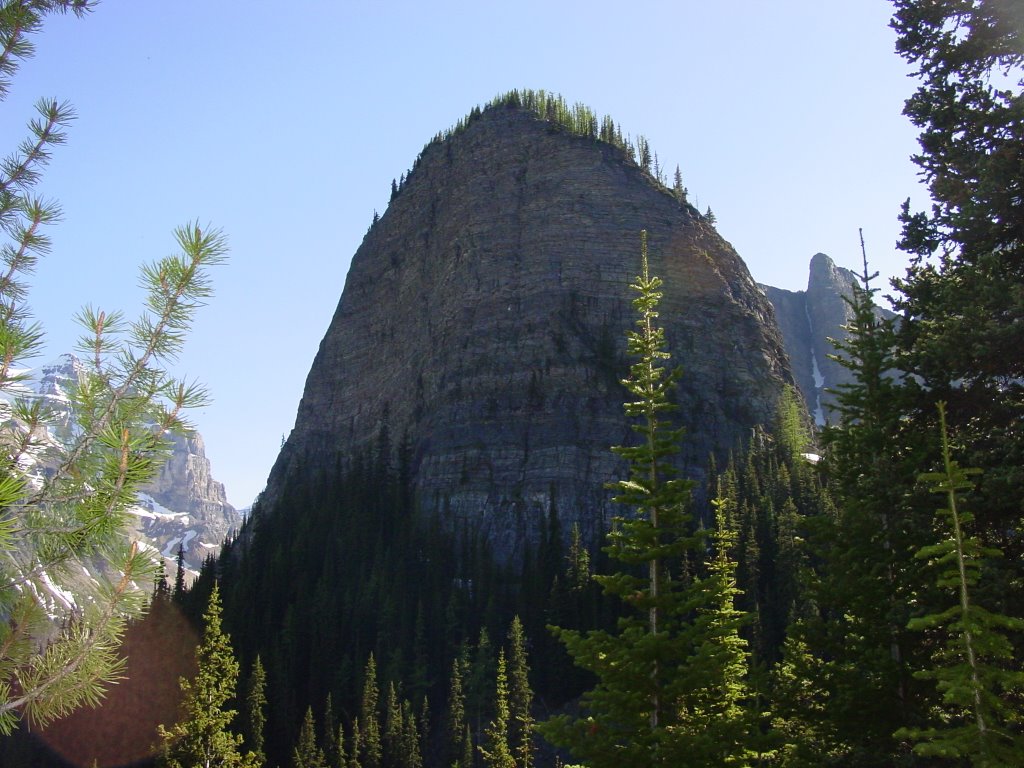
808	320
484	321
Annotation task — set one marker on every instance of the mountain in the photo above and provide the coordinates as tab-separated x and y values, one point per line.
808	319
480	338
183	505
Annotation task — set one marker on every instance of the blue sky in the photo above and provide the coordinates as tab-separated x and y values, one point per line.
284	124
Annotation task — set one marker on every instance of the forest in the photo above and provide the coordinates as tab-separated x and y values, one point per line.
850	596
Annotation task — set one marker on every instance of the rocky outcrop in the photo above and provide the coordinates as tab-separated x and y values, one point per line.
808	320
183	505
484	317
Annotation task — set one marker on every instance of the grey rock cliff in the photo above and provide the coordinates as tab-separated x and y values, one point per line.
808	319
484	318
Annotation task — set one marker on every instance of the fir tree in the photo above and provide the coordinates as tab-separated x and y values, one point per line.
496	751
370	747
520	700
639	713
307	753
975	669
409	747
204	737
391	747
255	709
455	724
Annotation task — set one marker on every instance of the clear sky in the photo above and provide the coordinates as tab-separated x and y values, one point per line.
283	123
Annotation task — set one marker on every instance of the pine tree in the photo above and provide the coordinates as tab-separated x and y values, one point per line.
496	751
520	700
307	753
204	737
57	654
980	680
330	740
255	709
356	746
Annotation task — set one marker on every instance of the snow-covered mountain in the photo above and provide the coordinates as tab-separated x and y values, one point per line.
184	505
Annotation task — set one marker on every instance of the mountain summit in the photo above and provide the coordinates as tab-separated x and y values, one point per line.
480	336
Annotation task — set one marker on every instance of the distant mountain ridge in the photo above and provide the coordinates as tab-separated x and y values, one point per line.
183	505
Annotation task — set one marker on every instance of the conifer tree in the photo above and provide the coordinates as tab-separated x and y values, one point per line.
356	746
307	753
409	747
59	632
639	713
520	700
255	709
204	737
330	739
455	724
975	670
496	751
869	579
370	747
391	747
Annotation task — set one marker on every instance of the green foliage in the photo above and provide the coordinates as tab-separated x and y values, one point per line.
520	699
962	302
669	681
496	751
255	709
307	753
64	492
372	746
975	670
204	737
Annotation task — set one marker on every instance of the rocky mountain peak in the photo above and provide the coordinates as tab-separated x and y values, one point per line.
808	319
483	323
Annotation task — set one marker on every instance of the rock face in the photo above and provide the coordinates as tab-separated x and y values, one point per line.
483	320
183	505
808	319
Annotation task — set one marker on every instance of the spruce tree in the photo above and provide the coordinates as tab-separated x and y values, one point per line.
975	670
642	712
370	748
307	753
962	299
204	737
496	751
255	709
520	700
391	743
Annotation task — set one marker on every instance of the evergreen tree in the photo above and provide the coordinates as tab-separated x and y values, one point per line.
520	700
370	747
961	333
497	753
56	653
409	747
356	746
869	579
330	742
307	753
654	689
975	670
391	747
179	574
455	724
204	737
255	709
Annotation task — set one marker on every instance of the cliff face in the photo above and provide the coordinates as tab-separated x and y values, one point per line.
484	318
183	505
808	319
